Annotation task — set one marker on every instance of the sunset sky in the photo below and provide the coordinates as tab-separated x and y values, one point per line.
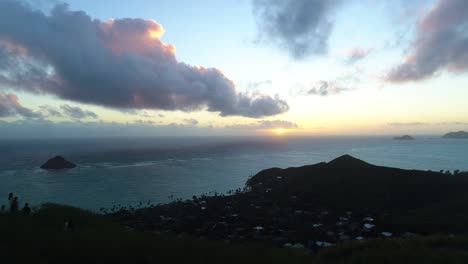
240	67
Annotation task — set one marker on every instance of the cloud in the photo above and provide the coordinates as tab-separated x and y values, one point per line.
76	112
323	88
50	111
356	54
265	124
407	124
191	121
145	122
34	128
398	124
301	27
120	63
10	106
441	44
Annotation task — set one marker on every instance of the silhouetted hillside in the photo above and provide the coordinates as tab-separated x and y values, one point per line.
317	206
347	182
421	201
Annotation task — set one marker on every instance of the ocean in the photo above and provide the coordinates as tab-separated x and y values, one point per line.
129	171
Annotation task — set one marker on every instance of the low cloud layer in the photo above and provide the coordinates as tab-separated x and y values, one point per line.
119	63
301	27
191	121
441	43
75	112
50	111
415	124
265	124
398	124
10	106
47	129
67	111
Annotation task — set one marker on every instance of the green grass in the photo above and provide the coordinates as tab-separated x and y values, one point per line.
41	239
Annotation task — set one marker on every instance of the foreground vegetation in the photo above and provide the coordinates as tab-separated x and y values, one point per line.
41	238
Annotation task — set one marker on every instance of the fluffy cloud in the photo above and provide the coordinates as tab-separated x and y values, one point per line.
302	27
441	43
76	112
265	124
119	63
10	106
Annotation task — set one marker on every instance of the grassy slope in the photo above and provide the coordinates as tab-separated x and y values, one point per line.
41	239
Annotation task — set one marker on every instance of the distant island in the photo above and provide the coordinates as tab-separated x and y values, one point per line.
458	135
405	137
57	163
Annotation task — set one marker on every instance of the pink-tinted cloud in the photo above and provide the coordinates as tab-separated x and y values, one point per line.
10	106
119	63
441	43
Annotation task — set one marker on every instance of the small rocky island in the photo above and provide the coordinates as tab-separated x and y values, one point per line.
457	135
405	137
57	163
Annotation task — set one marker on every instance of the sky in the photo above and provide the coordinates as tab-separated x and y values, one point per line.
239	67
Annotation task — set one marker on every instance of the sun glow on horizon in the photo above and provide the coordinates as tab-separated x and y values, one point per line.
279	131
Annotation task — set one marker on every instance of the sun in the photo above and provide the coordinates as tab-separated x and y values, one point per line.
279	131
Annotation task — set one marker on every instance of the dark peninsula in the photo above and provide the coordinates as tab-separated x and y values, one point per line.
317	206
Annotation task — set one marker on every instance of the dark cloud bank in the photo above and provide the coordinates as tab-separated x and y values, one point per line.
441	43
302	27
118	63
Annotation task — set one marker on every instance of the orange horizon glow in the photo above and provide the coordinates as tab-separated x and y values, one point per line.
279	131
